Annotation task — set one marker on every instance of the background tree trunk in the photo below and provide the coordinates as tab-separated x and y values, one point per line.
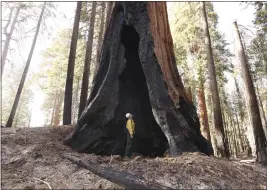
53	109
203	116
217	113
251	101
264	125
87	61
8	38
101	31
71	64
75	102
58	108
100	35
24	75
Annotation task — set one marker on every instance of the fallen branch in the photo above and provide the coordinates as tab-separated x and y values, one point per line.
121	178
43	182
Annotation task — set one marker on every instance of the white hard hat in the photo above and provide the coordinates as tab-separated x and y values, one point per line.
128	115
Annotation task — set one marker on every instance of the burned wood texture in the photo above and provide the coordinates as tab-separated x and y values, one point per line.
137	74
122	178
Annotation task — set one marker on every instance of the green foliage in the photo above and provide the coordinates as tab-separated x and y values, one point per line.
9	90
53	70
261	15
186	23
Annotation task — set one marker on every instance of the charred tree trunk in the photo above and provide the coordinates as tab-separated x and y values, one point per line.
217	113
71	63
138	74
8	37
203	116
24	75
252	102
87	61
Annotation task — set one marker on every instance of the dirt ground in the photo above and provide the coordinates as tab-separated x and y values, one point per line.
33	154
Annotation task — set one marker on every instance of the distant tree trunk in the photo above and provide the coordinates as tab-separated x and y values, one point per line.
251	101
262	109
189	94
8	37
241	114
54	107
218	123
240	135
100	35
203	116
233	130
71	64
18	114
75	102
58	108
24	75
87	61
30	117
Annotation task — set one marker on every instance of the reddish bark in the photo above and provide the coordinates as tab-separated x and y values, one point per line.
203	116
164	50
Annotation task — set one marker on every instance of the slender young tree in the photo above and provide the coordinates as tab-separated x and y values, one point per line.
100	36
71	64
217	114
24	75
53	109
58	107
251	100
8	36
87	61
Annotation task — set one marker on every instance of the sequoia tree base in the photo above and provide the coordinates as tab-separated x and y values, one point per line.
136	76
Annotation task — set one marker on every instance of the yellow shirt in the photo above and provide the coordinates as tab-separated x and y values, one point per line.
130	126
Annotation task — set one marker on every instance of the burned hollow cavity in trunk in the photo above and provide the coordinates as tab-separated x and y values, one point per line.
134	98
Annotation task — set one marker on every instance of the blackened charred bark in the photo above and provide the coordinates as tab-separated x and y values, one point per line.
138	74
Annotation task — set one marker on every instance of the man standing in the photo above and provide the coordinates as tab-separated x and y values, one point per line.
130	132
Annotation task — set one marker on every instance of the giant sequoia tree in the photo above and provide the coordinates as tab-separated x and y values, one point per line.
137	74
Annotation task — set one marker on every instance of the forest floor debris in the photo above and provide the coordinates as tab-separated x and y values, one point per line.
35	153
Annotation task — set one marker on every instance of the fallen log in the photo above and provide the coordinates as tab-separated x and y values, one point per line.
122	178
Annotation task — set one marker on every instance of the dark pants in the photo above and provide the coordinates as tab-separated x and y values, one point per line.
129	142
